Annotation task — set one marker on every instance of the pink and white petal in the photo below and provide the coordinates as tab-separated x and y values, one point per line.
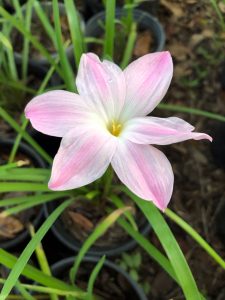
82	158
145	171
160	131
147	81
102	85
56	112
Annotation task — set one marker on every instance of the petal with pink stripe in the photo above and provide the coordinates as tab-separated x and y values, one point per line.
147	81
102	85
83	157
160	131
56	112
145	171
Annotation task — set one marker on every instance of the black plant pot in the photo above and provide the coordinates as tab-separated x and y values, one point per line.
36	73
66	238
42	61
145	21
5	147
95	6
49	143
218	144
133	291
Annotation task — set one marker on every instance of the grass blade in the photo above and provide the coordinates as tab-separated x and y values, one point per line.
37	200
129	47
34	274
26	42
67	70
93	277
109	29
20	200
27	252
23	187
170	246
119	204
75	30
25	135
42	260
26	295
23	174
20	26
193	111
25	121
45	22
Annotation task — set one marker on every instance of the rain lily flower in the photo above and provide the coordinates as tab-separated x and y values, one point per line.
108	123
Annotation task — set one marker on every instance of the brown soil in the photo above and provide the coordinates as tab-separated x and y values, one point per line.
82	217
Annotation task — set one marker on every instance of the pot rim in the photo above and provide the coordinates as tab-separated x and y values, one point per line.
64	263
66	238
26	149
153	24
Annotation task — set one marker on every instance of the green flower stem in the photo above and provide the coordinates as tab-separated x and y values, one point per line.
194	234
107	181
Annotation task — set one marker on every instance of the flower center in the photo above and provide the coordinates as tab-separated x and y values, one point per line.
115	128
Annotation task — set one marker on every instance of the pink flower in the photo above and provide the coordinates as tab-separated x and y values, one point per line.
108	123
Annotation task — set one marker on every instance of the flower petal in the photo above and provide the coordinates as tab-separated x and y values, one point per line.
147	80
56	112
145	171
160	131
102	85
83	157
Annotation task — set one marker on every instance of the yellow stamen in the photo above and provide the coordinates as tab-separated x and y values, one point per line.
115	128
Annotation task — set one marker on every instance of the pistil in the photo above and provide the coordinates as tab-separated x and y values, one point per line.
115	128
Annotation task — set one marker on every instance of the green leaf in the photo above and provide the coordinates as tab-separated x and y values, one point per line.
128	260
119	204
42	260
109	29
92	279
75	30
20	26
25	135
129	46
27	252
23	174
136	260
26	295
34	198
67	70
170	246
23	186
5	41
45	21
34	274
37	200
192	111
